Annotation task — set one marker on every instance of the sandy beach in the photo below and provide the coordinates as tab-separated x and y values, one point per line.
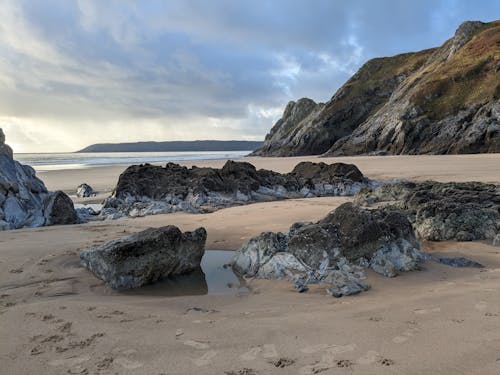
57	318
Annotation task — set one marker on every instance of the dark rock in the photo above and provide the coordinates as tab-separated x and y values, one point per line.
349	289
462	211
459	262
146	257
85	191
147	189
335	250
60	210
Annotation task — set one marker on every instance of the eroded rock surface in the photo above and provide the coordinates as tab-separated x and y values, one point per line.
146	257
460	211
24	199
442	100
148	189
335	250
85	191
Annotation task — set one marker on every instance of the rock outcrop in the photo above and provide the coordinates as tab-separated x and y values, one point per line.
335	250
146	257
460	211
24	199
443	100
147	189
85	191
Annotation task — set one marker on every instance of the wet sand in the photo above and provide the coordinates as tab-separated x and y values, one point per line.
56	318
483	168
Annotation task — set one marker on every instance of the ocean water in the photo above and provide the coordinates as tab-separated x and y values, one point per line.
60	161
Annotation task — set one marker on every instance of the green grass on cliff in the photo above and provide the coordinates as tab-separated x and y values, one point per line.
470	76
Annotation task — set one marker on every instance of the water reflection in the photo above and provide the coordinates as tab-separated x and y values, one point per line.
211	278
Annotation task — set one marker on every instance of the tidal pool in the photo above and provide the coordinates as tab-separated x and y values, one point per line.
211	278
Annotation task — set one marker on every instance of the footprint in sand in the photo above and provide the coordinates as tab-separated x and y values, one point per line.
268	352
482	305
369	358
78	370
128	363
328	359
405	336
70	362
426	311
205	359
251	354
197	344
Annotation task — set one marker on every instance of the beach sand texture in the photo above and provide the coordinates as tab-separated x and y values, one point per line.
56	318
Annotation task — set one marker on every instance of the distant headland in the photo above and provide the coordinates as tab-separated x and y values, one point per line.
174	146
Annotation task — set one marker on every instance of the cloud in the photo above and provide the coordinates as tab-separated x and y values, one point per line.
87	71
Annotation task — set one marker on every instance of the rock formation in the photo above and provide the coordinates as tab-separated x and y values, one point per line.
146	257
461	211
24	199
335	250
438	101
85	191
147	189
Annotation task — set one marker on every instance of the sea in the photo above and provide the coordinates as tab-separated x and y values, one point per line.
61	161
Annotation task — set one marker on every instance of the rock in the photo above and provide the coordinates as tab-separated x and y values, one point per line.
335	250
412	103
148	190
463	211
496	240
5	150
24	199
59	210
459	262
351	288
145	257
85	191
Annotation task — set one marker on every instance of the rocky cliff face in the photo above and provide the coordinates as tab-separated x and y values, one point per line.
24	199
438	101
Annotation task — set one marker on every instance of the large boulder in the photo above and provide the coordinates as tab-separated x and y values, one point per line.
24	199
460	211
146	257
147	189
335	250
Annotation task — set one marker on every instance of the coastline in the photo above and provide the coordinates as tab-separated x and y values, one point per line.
59	318
443	168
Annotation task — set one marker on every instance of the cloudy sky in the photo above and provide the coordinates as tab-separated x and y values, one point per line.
74	73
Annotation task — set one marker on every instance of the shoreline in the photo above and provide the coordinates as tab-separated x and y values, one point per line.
442	168
61	319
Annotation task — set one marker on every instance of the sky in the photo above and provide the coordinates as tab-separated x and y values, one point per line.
74	73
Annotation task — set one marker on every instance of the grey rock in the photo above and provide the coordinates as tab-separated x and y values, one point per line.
145	257
351	288
85	191
459	262
334	251
24	199
496	240
443	211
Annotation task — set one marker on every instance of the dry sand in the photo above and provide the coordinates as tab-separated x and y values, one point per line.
56	318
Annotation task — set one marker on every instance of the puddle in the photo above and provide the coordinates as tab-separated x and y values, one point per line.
212	278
